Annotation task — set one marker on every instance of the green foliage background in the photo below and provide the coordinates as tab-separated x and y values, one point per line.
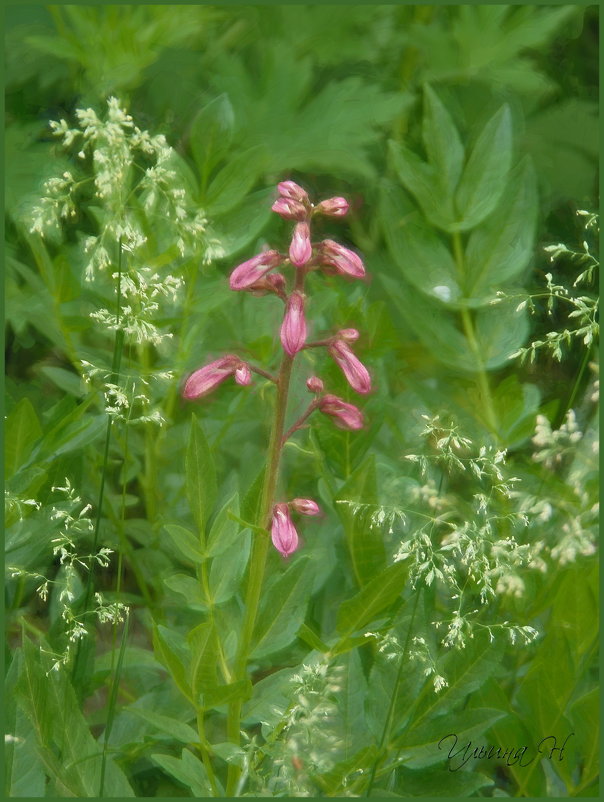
465	138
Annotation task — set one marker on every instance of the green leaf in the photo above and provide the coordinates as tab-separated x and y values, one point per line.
200	476
484	177
66	380
441	138
188	587
204	659
283	610
344	773
586	725
516	406
223	694
228	568
500	331
501	248
377	595
351	702
186	543
241	226
211	133
188	770
165	724
364	544
439	783
235	180
225	531
420	746
173	652
22	429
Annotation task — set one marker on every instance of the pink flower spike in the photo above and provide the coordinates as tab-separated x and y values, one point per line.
350	335
356	373
314	384
289	209
283	532
293	328
343	260
300	249
203	381
305	506
250	272
347	416
333	207
292	191
243	374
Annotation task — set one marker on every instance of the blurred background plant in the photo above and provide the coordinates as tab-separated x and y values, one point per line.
481	321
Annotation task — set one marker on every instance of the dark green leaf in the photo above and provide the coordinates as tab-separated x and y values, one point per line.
235	180
188	770
22	429
211	133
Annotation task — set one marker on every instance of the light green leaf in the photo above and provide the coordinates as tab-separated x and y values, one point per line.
500	331
377	595
188	587
22	429
204	659
165	724
235	180
186	543
283	610
173	652
223	694
484	177
200	476
228	568
188	770
224	531
211	133
441	138
501	248
584	714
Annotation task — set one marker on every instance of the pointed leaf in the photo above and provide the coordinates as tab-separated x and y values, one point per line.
441	138
174	654
211	133
377	595
165	724
188	770
22	430
200	477
186	543
204	659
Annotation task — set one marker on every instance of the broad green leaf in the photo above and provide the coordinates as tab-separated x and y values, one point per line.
166	725
173	652
270	697
200	476
66	380
485	175
235	180
188	587
50	703
22	429
364	543
441	138
204	659
421	180
584	715
343	774
516	406
375	597
252	499
501	248
500	331
225	531
241	226
424	746
228	568
228	752
223	694
211	134
188	770
283	610
186	543
351	703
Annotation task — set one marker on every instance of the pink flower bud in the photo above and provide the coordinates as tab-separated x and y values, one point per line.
343	261
305	506
334	207
300	249
356	373
292	191
203	381
289	209
248	273
350	335
243	374
347	416
314	384
283	532
274	283
293	328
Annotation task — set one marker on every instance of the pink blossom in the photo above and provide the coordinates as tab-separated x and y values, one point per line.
334	207
347	416
243	374
203	381
274	283
293	328
292	191
300	249
248	273
356	373
305	506
283	532
314	384
343	261
289	209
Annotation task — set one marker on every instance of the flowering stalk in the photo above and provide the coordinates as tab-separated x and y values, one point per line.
256	277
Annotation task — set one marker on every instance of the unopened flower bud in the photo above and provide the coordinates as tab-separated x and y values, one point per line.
333	207
274	283
347	416
289	209
314	384
342	260
350	335
293	328
292	191
283	532
203	381
356	373
248	273
243	374
300	249
305	506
